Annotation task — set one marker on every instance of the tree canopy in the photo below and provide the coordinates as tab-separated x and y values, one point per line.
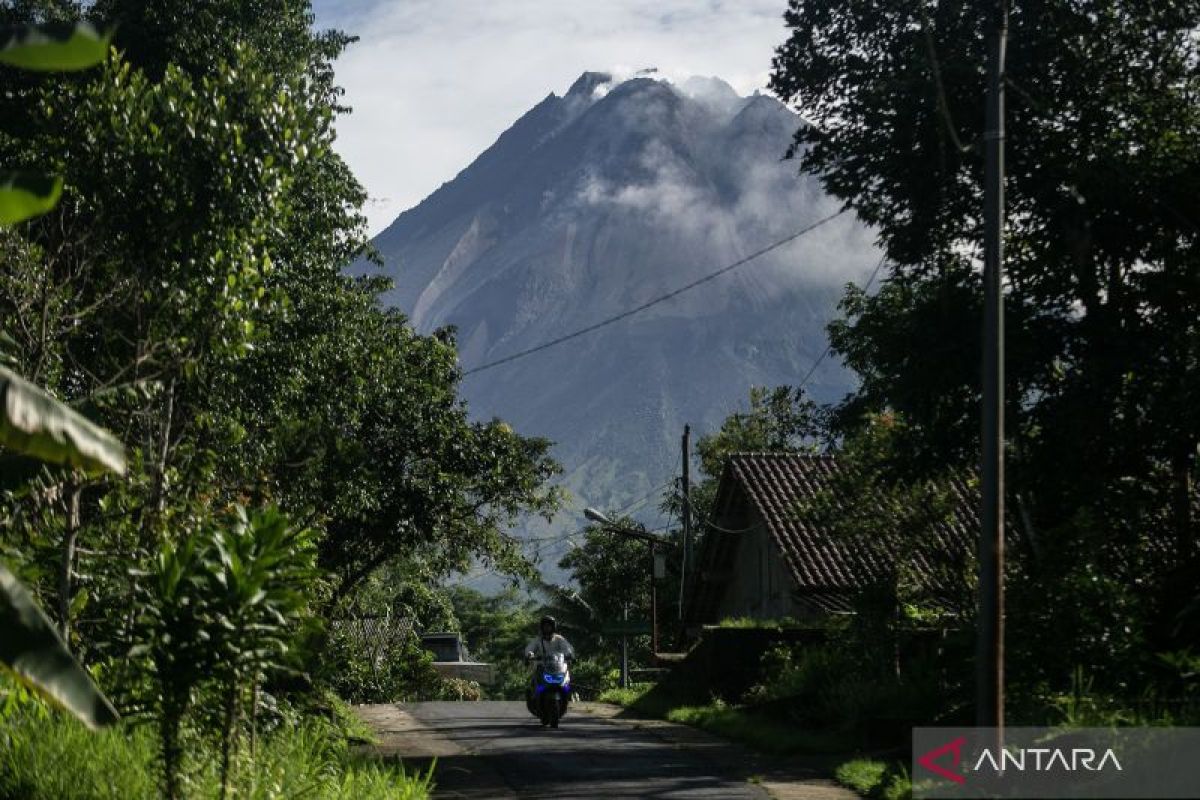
187	294
1102	278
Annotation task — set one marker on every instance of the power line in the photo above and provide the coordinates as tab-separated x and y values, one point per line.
829	347
558	537
647	496
661	298
706	521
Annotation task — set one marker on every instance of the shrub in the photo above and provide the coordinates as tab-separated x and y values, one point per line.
830	686
404	672
220	607
592	678
458	689
877	780
625	697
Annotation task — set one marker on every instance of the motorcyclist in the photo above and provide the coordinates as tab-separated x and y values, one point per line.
547	647
549	643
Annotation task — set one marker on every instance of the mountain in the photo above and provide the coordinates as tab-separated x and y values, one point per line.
594	203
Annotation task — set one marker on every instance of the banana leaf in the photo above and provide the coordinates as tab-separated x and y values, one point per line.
32	649
24	195
53	47
35	424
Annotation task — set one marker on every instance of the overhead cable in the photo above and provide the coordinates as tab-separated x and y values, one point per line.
660	299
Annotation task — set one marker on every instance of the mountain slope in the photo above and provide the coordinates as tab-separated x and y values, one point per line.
594	203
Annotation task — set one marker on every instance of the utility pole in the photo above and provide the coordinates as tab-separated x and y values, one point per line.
653	607
686	515
625	651
990	653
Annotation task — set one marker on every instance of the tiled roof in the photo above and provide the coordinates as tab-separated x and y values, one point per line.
824	567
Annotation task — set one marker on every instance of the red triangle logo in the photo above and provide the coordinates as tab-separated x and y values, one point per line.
955	749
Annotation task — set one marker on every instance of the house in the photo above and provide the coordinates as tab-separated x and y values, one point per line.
762	558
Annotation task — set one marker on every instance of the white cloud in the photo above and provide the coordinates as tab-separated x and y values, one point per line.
434	82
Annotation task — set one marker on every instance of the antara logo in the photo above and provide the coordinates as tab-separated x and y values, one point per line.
1021	759
955	750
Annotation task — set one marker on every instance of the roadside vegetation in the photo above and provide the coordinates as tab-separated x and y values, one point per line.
876	780
49	757
1101	300
231	481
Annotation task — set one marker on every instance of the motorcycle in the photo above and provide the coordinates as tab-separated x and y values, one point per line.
550	690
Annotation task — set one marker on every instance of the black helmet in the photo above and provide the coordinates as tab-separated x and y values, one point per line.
553	622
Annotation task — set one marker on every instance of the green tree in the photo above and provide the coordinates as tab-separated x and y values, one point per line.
388	461
613	573
32	422
1101	266
188	293
496	629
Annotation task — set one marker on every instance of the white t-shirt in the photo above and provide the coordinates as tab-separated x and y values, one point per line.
540	648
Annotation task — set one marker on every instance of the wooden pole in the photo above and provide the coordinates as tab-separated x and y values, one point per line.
990	653
686	515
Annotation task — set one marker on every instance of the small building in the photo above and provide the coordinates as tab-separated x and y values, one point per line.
451	660
764	559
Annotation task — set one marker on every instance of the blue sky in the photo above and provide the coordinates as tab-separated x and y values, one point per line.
434	82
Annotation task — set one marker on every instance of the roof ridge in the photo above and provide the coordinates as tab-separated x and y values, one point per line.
779	454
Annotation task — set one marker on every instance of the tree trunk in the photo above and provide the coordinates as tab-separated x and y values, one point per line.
67	564
229	735
169	748
254	715
160	486
1181	500
351	580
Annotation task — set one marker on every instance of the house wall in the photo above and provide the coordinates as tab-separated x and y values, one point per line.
760	585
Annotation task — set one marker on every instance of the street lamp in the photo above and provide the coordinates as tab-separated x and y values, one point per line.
653	541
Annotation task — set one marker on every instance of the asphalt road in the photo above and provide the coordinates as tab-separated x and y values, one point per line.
497	750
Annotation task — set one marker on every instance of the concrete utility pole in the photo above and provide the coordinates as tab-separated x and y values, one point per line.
653	607
990	654
686	514
625	651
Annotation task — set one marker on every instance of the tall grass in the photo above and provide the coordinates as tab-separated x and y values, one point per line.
875	780
45	757
55	758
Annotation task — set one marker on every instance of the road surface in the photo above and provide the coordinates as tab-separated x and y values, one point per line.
496	750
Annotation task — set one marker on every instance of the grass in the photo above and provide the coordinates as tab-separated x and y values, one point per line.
351	724
626	697
877	780
44	756
731	722
753	623
52	757
758	732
